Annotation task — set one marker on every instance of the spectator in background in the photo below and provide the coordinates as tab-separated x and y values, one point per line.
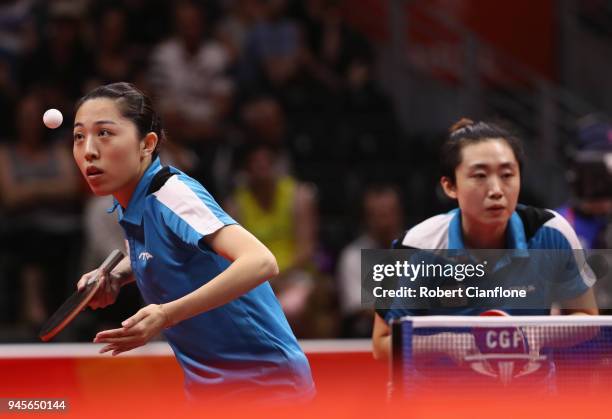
261	119
148	21
16	27
17	36
189	76
590	207
337	52
38	191
234	28
341	58
589	211
281	212
273	47
60	64
264	121
339	63
382	216
115	58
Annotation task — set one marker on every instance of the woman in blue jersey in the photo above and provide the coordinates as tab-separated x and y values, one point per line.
481	170
202	276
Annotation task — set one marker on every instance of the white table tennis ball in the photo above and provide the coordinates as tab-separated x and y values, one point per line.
53	118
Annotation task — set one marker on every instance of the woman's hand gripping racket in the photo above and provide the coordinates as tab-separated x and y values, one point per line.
78	301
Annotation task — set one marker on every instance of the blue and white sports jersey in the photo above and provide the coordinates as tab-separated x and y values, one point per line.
246	343
528	228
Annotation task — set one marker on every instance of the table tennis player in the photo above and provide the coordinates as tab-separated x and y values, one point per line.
481	170
202	276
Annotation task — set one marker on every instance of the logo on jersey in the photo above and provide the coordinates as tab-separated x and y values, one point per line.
145	256
504	354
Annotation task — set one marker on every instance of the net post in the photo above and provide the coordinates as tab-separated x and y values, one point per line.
401	356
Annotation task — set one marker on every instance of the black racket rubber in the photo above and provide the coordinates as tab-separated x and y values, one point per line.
77	301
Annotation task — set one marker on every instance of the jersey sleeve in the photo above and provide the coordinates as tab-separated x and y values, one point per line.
574	275
188	210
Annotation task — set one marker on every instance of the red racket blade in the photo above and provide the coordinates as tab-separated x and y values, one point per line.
493	313
78	301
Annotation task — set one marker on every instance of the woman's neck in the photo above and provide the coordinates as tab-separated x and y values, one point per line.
482	236
124	195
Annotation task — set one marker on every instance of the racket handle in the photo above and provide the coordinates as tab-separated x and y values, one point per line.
108	265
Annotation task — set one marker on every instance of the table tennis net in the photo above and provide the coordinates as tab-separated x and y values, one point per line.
547	354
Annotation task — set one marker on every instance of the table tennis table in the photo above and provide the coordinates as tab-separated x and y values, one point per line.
535	355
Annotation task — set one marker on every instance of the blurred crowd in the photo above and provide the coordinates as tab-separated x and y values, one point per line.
273	105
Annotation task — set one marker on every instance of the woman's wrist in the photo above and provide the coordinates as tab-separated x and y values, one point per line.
123	272
168	322
123	276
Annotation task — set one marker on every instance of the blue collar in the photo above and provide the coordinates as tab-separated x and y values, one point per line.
515	239
134	211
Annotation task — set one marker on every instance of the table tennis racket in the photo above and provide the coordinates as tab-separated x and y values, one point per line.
78	301
493	313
